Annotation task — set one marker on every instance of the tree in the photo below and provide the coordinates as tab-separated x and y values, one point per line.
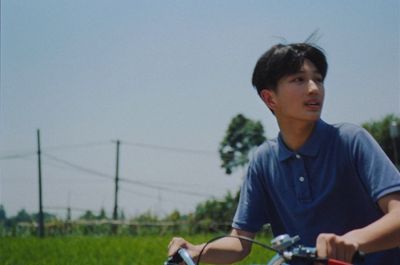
23	216
174	216
380	131
215	215
146	217
88	215
242	135
122	215
102	215
3	215
47	217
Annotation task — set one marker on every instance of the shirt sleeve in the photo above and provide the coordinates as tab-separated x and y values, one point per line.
251	213
376	170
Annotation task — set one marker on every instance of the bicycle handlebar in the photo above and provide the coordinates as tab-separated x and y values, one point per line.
283	245
301	253
286	249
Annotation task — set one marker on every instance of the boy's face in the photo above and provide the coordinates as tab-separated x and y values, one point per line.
298	96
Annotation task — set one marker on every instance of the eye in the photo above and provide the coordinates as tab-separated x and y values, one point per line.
297	79
319	80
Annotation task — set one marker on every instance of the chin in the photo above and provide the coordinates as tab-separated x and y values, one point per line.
314	117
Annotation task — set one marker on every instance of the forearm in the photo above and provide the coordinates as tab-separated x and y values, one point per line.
226	250
223	251
382	234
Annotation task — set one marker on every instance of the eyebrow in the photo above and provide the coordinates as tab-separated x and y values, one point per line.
302	72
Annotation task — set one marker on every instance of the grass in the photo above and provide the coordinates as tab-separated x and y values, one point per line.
140	250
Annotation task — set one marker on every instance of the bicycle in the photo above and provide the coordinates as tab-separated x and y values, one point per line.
285	247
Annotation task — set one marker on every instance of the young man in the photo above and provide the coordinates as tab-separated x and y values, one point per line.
330	184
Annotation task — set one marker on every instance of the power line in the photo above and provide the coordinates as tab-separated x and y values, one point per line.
57	164
142	194
78	167
17	156
99	143
67	164
171	149
130	181
181	184
74	146
191	193
65	208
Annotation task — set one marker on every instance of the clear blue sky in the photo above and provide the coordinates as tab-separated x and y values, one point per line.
171	74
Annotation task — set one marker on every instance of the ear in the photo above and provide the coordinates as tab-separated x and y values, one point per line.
268	96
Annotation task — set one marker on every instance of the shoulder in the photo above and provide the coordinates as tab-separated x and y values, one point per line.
351	133
356	139
264	154
345	128
268	148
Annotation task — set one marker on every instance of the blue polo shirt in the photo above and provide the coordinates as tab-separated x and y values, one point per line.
331	185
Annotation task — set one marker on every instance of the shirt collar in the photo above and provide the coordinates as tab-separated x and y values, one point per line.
311	146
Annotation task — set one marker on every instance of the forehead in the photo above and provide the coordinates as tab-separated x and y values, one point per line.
308	66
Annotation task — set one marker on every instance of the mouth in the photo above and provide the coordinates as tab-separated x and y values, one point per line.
313	105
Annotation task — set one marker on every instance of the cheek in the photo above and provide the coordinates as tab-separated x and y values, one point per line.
296	94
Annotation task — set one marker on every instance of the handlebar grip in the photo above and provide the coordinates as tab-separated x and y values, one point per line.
178	257
185	256
174	259
358	257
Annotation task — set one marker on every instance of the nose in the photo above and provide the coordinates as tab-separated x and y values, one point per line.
313	87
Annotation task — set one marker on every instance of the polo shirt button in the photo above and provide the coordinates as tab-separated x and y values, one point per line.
301	179
298	156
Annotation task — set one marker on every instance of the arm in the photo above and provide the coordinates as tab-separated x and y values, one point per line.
379	235
223	251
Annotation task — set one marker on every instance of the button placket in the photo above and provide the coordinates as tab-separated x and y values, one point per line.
301	182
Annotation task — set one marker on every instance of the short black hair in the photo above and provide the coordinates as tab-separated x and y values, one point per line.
285	59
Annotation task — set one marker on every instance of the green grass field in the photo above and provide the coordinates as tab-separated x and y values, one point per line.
144	250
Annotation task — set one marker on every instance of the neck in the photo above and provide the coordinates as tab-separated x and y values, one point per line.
295	134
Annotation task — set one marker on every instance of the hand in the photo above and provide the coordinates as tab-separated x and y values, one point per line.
178	242
336	247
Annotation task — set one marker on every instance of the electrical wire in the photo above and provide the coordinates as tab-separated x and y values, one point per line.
52	148
64	208
141	194
141	183
17	156
171	149
73	146
78	167
191	193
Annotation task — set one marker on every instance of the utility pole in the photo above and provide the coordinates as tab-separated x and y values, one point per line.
394	134
69	208
40	216
115	213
